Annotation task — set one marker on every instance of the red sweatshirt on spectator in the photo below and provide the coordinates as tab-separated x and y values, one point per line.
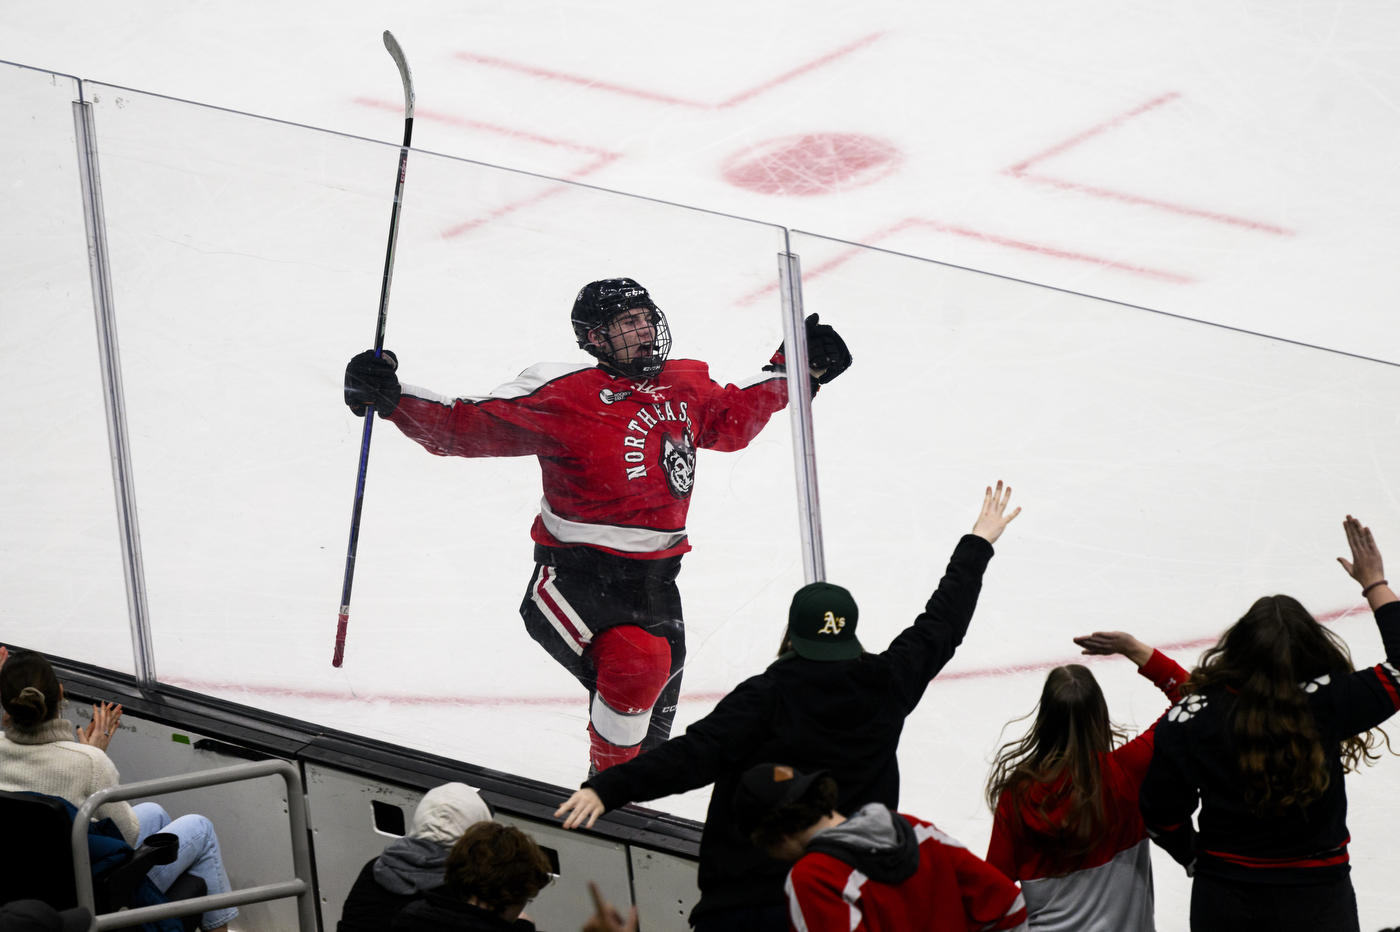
1111	888
913	877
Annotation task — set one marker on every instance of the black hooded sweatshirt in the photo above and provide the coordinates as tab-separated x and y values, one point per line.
842	716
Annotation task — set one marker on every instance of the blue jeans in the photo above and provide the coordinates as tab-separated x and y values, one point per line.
198	854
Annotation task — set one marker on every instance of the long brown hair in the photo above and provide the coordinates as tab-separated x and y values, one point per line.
1071	730
1267	658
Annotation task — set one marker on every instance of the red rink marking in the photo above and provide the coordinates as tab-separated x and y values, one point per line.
953	229
644	94
812	163
601	158
578	701
1022	170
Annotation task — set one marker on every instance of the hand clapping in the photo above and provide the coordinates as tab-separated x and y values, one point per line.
98	732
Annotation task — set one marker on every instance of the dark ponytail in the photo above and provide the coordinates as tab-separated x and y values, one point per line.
29	689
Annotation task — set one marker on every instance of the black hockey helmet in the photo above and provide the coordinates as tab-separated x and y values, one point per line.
598	304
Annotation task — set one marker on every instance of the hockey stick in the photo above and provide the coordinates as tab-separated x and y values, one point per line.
392	45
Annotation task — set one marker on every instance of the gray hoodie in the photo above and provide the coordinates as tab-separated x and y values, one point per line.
878	843
411	866
415	863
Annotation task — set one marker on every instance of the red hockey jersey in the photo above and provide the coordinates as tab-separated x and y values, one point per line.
617	454
952	890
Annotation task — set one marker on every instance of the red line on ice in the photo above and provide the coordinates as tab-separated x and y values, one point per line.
454	120
842	258
1108	194
643	94
1022	170
1194	644
331	695
604	157
1093	131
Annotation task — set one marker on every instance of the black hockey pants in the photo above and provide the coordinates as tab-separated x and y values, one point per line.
577	592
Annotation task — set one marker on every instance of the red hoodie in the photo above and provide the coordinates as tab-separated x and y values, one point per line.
1115	875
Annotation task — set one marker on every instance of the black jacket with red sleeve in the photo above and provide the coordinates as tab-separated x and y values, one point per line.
1194	761
617	454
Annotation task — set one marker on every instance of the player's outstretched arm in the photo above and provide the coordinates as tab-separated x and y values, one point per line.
994	519
584	805
1103	643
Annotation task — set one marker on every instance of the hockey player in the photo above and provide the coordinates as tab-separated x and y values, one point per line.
877	871
616	443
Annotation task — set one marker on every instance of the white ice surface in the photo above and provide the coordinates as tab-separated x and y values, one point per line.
1171	472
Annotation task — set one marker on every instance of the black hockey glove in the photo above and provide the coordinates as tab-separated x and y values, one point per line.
827	355
370	380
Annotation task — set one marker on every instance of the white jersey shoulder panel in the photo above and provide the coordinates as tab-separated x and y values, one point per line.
527	382
536	377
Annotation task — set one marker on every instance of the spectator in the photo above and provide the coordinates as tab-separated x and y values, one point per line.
414	864
492	872
825	704
878	871
1274	716
1067	824
42	753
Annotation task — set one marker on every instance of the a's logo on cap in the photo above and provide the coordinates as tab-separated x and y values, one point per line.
833	624
782	774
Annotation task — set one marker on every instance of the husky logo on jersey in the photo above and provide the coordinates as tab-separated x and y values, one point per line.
833	624
611	397
678	463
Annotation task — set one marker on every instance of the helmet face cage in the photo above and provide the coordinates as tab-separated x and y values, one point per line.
620	338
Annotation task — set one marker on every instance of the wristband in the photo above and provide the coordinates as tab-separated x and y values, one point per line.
1372	586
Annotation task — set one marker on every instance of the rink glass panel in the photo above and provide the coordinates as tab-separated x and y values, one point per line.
1171	473
247	259
59	556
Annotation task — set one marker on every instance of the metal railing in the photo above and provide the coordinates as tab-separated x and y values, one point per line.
301	888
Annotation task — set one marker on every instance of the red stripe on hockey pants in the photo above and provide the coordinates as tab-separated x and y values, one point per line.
632	668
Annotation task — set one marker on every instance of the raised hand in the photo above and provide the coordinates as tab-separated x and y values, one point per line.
98	733
1366	566
1115	642
585	804
993	520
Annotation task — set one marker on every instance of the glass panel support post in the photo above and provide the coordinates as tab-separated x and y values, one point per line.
118	435
809	512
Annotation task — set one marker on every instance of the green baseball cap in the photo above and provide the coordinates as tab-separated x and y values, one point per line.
822	623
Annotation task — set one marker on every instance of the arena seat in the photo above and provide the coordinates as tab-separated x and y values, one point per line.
42	869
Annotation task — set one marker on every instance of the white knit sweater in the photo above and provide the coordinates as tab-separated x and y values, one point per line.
47	759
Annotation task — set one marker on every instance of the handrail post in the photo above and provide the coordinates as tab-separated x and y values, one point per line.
302	888
809	512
